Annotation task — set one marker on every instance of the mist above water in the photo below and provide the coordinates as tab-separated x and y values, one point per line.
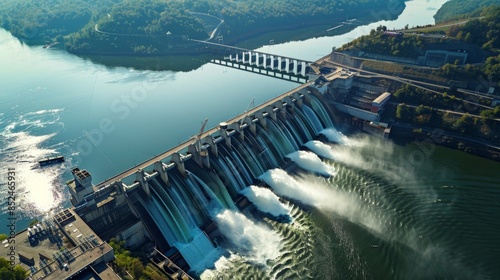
265	200
255	241
316	191
333	135
311	162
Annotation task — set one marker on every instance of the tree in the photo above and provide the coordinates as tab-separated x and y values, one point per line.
403	112
9	273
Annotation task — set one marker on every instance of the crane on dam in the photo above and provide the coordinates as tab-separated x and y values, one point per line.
197	139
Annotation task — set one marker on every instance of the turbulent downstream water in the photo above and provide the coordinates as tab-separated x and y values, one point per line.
406	211
388	212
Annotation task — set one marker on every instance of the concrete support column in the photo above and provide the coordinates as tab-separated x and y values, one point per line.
298	99
236	127
282	108
262	120
213	147
307	95
270	110
140	177
276	63
178	160
224	135
200	156
119	185
291	104
283	63
162	172
249	122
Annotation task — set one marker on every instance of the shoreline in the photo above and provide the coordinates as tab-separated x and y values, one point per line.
446	139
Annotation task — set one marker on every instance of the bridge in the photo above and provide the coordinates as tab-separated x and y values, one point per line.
277	66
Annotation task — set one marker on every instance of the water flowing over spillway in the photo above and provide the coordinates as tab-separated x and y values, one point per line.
355	206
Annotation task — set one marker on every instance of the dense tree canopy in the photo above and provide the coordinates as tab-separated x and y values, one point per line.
484	32
124	26
454	9
9	273
380	43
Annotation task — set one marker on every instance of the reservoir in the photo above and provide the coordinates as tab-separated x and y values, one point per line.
435	217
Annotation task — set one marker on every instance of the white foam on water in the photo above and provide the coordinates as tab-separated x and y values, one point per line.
265	200
321	149
334	135
314	191
255	241
37	190
310	161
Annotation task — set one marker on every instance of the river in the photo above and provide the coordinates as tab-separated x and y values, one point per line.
106	119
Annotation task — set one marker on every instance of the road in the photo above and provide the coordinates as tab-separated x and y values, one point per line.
442	110
415	83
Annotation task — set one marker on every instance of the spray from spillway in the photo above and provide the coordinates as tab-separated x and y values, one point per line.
314	191
266	201
321	149
334	135
256	242
311	162
371	154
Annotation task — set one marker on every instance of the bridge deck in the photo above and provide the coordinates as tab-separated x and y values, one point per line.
247	50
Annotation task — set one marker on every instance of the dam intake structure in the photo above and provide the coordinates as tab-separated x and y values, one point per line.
192	199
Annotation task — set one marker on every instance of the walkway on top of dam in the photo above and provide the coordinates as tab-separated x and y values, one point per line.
184	145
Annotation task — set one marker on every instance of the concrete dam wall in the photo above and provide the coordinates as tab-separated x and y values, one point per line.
180	197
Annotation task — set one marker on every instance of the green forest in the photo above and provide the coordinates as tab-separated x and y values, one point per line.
9	273
155	27
458	9
482	34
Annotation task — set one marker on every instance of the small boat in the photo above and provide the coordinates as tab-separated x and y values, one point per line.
51	160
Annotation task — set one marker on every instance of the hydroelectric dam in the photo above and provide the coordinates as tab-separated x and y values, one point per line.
175	198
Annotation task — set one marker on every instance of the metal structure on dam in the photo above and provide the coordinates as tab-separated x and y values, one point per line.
173	197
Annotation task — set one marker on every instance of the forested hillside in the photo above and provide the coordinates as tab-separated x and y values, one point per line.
480	35
456	9
141	26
